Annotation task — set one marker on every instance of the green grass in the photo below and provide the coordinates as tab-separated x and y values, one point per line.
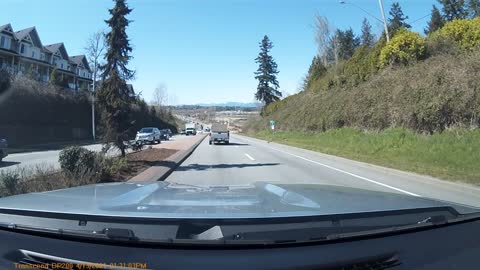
450	155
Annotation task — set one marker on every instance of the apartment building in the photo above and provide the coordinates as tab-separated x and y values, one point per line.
22	52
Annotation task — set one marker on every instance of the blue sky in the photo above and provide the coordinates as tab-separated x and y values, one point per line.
204	50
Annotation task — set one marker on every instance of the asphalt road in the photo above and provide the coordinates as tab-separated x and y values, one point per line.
248	160
41	158
47	159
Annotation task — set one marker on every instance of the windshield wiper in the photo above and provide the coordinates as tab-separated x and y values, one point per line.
433	221
115	234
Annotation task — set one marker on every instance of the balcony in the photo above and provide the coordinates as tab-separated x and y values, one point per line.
12	69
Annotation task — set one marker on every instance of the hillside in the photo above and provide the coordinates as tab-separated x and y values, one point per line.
430	96
412	104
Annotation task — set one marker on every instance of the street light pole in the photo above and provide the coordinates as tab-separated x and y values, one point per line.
384	20
93	110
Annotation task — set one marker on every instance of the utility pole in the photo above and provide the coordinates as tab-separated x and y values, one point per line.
93	111
384	20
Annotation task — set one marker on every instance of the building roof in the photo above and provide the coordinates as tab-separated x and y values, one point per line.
80	59
20	35
53	48
77	59
23	33
7	27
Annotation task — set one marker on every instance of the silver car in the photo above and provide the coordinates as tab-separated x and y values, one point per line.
148	135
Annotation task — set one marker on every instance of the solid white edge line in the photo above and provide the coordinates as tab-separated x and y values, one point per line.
250	157
351	174
345	172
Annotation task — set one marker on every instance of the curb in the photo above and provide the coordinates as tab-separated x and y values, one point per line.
48	146
162	171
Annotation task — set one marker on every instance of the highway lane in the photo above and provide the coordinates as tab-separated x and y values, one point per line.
48	159
247	160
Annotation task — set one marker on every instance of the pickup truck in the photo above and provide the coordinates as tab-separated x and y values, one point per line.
190	129
219	133
3	148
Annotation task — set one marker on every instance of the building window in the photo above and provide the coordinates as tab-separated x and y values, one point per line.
22	48
61	66
2	41
33	54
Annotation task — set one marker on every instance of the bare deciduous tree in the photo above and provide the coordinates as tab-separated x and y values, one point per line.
160	95
95	49
160	98
322	36
173	99
326	40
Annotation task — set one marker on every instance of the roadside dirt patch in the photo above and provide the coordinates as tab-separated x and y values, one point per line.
137	162
151	155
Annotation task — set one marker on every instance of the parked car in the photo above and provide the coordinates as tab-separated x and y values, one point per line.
165	134
182	132
3	148
148	135
170	133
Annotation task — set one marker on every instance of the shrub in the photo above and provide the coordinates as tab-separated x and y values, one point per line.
465	34
436	45
5	81
404	48
364	63
76	159
109	167
9	181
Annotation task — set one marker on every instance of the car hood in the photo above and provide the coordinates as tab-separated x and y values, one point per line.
261	199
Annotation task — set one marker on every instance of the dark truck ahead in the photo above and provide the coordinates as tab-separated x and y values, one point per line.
219	133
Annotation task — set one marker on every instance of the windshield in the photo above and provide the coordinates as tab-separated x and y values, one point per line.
243	109
146	130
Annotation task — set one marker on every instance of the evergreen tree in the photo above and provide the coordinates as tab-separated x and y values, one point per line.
436	21
367	38
474	8
31	73
56	79
453	9
114	97
347	43
332	49
316	71
397	19
266	74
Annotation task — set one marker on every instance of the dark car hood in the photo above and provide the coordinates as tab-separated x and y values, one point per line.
169	200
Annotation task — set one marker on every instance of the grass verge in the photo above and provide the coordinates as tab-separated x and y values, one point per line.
450	155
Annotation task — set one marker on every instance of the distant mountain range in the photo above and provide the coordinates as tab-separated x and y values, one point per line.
229	104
